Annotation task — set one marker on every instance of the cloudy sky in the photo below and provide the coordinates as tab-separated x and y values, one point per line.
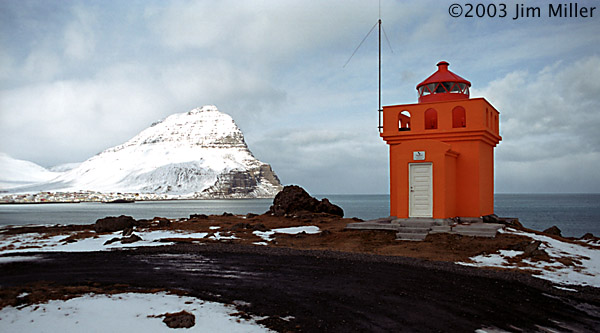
77	77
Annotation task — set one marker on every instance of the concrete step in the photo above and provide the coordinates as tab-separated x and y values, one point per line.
410	236
415	224
413	230
436	229
478	226
475	229
371	226
420	221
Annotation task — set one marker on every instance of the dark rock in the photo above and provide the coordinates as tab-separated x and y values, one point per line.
509	221
294	199
492	218
532	247
554	231
259	227
199	216
162	221
127	231
241	226
124	240
589	235
227	214
236	182
327	207
131	239
251	215
111	223
527	246
112	240
531	250
182	319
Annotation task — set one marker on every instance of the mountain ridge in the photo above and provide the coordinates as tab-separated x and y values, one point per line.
197	154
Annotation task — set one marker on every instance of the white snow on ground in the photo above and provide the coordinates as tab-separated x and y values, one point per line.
266	235
217	236
585	271
128	312
594	242
34	242
4	260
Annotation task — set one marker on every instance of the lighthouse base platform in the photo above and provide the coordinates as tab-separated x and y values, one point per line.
416	229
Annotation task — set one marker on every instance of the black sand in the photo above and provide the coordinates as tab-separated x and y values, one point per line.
327	291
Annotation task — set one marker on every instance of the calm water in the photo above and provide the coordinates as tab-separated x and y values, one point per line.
574	214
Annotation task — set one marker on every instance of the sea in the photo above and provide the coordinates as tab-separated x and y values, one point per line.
574	214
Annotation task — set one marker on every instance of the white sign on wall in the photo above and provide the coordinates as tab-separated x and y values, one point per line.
418	155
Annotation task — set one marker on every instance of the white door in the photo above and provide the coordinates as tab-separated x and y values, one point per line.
420	198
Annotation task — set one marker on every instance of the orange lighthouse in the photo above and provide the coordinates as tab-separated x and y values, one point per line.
442	150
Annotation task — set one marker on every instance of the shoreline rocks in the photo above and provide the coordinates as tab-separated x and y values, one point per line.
294	199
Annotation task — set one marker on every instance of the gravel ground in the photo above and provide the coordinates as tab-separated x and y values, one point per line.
316	291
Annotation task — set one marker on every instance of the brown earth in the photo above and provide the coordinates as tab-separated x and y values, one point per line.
333	236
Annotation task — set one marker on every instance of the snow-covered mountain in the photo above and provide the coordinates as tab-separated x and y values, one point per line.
15	172
201	153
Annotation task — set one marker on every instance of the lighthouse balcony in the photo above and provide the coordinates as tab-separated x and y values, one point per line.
435	119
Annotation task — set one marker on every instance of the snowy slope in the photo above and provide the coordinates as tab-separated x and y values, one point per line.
14	172
201	153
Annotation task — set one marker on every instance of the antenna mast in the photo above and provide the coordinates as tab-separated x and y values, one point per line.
380	110
379	23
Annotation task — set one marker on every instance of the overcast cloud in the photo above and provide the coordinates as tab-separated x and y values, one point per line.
77	77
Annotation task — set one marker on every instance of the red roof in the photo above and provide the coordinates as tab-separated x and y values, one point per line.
443	75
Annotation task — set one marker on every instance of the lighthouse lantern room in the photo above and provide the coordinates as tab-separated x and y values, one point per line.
442	150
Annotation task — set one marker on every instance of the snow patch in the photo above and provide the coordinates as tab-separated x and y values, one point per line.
217	236
35	242
266	235
584	271
127	312
7	259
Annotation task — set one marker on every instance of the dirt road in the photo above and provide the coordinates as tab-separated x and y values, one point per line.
318	291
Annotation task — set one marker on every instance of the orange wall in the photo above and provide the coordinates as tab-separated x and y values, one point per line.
462	158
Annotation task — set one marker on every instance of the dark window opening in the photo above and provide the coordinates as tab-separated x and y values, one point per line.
404	121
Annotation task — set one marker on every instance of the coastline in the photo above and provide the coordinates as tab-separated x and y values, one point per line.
78	197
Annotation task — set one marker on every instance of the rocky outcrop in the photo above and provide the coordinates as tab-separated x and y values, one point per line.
294	199
112	223
181	319
124	240
531	250
244	183
554	231
509	221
